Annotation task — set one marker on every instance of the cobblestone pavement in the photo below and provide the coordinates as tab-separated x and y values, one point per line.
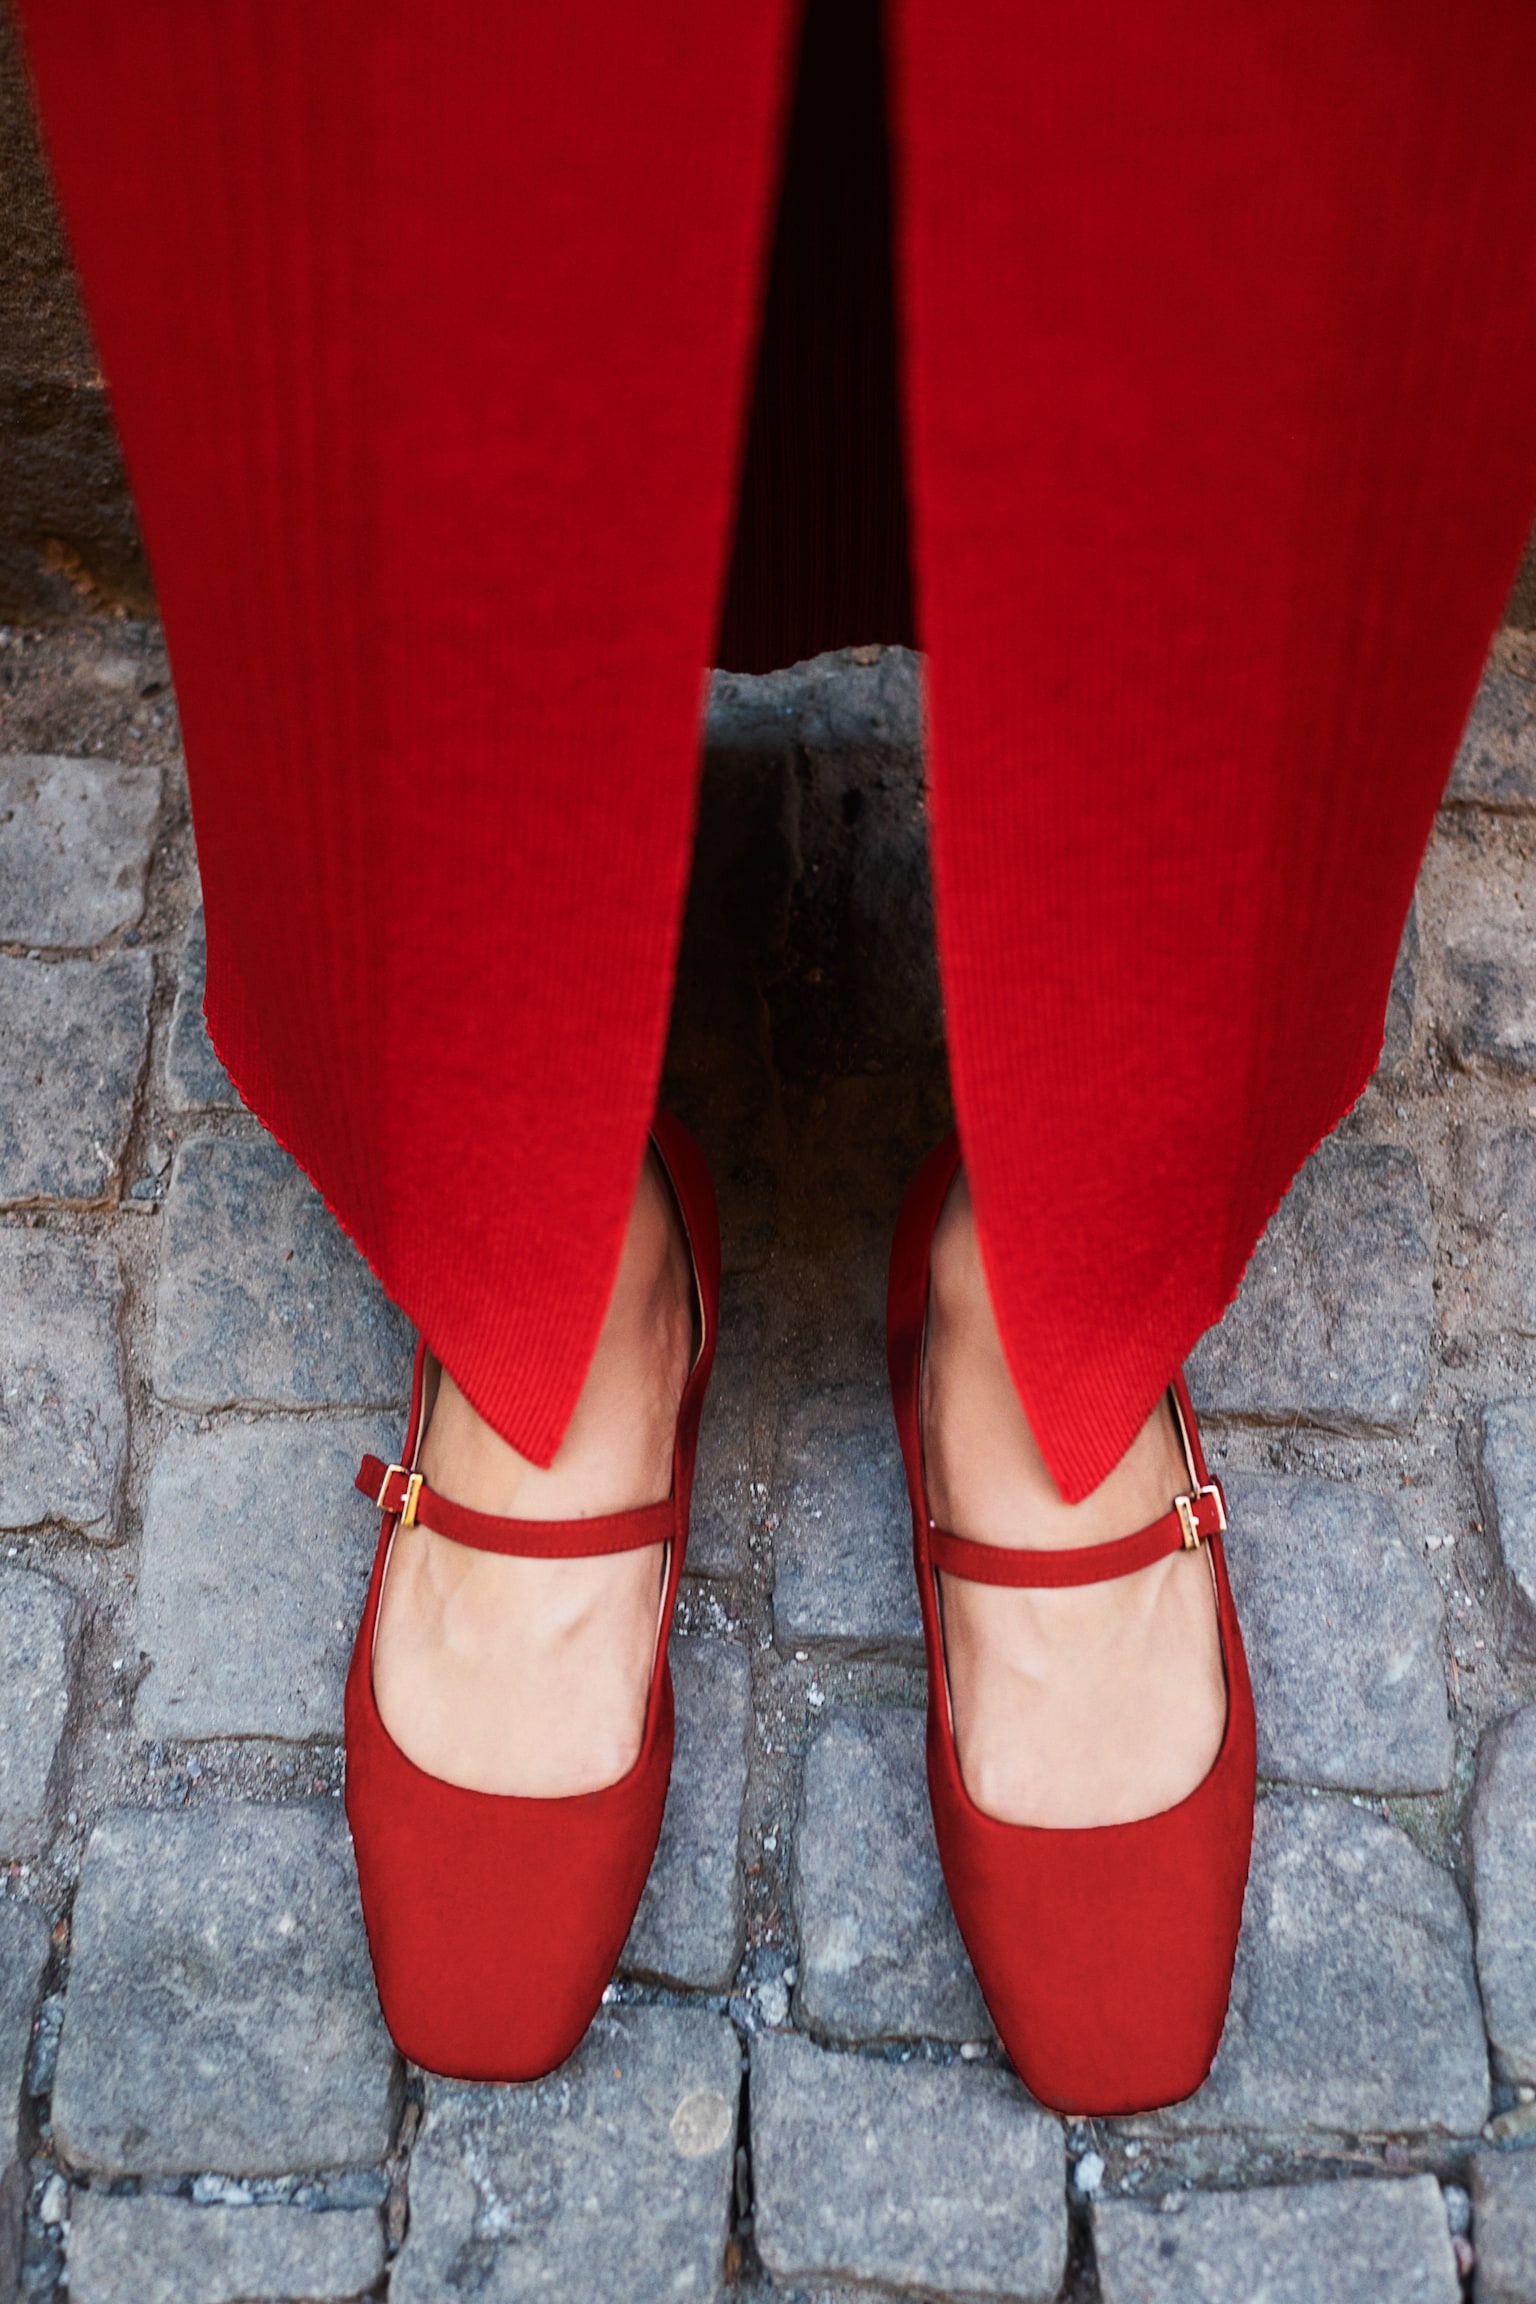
793	2089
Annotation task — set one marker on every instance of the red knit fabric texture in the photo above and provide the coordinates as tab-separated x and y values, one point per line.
430	335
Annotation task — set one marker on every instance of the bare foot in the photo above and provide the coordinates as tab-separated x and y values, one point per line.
1093	1705
531	1676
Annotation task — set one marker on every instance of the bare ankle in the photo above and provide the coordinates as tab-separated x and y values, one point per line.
616	1452
986	1476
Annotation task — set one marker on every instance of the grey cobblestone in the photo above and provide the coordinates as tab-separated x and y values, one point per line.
1343	1626
1332	1323
1489	1009
221	2010
843	1549
72	1040
1354	2004
610	2179
1497	1179
1351	2242
1508	1466
39	1652
63	1419
195	1079
1496	765
689	1927
75	837
217	1554
721	1513
23	1957
1504	2210
943	2181
880	1955
1403	998
161	2250
1502	1834
262	1298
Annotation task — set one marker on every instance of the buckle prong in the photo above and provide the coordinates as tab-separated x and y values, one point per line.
1185	1506
413	1486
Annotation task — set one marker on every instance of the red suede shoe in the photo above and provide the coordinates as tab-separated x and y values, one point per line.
1105	1953
494	1921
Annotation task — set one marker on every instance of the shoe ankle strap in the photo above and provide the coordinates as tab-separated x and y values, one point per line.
1189	1522
404	1495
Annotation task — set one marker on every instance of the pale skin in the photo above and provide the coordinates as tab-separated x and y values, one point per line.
1092	1705
531	1676
1089	1706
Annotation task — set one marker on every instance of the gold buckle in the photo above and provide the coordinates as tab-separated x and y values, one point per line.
1185	1508
413	1483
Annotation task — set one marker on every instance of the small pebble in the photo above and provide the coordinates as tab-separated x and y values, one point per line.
1458	2208
54	2204
972	2050
770	1843
221	2191
1465	2254
1088	2175
773	2001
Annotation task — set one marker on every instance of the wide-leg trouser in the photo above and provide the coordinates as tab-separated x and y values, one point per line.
429	331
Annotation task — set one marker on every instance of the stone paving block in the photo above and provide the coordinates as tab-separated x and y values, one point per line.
217	1553
1332	1322
1496	1174
1504	2212
1353	2242
1402	999
842	1552
943	2180
72	1040
1496	765
221	2010
722	1509
40	1623
63	1419
611	2179
262	1298
194	1077
689	1928
75	837
1354	2005
23	1957
1488	1006
160	2250
1342	1624
1502	1835
880	1955
1508	1466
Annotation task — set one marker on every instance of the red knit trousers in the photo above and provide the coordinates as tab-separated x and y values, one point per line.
430	334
